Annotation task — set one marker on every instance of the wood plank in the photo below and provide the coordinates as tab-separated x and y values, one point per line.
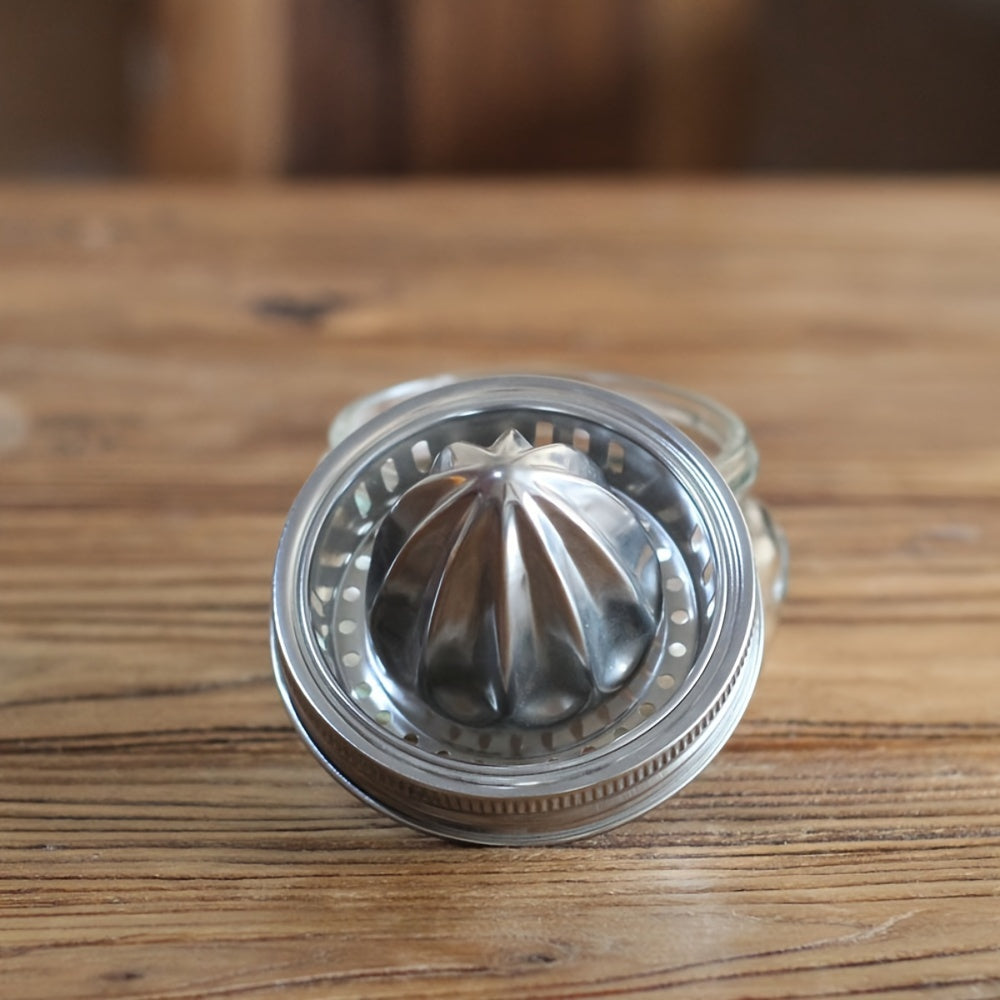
169	358
494	86
214	94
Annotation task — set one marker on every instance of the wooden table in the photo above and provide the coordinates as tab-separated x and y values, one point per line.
169	359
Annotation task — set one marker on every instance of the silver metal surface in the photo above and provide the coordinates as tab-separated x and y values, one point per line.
516	610
512	586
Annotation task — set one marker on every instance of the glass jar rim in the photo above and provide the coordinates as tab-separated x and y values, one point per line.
716	429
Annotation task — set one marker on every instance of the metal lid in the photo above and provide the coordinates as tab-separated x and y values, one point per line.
516	610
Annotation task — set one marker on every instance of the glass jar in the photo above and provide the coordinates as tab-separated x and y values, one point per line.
523	609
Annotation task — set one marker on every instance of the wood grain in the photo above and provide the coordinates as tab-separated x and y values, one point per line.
168	360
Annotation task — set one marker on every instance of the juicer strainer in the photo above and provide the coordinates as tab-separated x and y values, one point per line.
523	609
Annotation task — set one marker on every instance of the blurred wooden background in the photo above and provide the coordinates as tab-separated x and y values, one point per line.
314	87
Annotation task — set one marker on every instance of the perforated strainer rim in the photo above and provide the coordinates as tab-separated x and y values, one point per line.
715	428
